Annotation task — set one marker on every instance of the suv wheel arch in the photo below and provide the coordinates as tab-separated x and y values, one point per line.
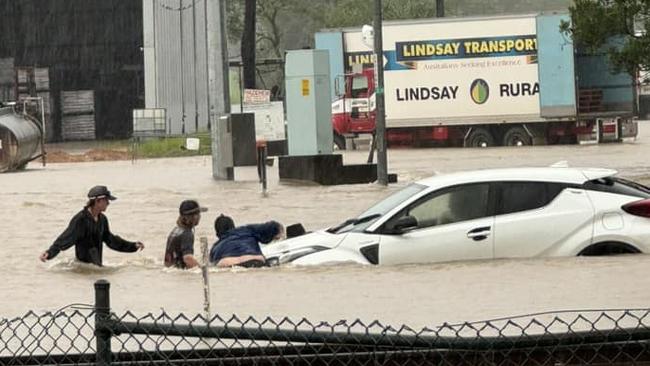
609	248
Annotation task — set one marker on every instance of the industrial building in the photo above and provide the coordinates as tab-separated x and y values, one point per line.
83	57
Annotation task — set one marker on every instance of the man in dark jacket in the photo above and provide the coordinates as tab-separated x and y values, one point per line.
88	229
239	246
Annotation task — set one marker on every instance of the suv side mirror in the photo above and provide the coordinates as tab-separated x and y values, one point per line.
338	82
404	224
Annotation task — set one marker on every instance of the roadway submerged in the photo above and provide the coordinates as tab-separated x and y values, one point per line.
37	204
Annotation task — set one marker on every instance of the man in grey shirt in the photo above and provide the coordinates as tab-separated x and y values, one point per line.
180	242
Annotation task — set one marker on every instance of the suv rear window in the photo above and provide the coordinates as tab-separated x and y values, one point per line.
523	196
618	186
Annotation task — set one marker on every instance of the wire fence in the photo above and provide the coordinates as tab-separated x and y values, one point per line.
94	335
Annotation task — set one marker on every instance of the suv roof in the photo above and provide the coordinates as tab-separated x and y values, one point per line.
545	174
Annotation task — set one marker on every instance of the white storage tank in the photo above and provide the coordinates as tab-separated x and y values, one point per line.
21	138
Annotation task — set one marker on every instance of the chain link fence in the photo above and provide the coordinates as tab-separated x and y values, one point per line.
83	334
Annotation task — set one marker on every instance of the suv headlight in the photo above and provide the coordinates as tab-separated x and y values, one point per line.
290	256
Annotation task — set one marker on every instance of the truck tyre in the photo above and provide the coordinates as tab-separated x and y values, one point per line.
517	136
480	137
339	141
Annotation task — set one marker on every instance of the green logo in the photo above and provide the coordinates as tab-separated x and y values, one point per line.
479	91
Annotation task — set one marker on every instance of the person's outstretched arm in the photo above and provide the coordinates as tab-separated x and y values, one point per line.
117	243
187	249
190	261
268	231
67	239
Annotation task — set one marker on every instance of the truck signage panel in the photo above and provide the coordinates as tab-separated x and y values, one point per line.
456	69
466	48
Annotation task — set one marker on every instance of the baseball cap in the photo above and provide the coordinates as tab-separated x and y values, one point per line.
190	207
100	192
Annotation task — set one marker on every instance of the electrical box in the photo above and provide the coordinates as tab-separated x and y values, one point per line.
308	102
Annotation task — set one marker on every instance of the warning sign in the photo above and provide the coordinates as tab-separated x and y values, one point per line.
257	96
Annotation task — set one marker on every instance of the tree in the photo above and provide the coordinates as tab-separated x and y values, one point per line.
276	24
346	13
608	26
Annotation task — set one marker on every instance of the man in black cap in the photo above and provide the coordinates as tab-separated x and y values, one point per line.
179	251
88	229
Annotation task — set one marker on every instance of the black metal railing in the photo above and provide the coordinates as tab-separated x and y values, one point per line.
95	335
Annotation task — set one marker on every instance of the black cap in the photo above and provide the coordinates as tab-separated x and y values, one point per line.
190	207
100	192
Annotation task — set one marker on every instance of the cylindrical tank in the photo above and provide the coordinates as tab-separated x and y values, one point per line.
20	140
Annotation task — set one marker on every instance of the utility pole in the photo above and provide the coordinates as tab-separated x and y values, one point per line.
440	8
380	108
219	91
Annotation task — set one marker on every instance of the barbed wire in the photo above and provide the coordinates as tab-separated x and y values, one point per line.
179	8
553	312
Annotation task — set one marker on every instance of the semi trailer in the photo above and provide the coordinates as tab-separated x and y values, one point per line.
481	81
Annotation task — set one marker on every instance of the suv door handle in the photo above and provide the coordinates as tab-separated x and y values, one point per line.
480	233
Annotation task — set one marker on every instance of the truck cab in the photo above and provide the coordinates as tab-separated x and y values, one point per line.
353	111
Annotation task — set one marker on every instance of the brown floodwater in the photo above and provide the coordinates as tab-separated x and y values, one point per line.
36	205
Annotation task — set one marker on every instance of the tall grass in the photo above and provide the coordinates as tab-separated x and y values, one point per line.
160	147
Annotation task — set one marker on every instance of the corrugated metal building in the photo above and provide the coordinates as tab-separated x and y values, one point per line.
83	56
175	57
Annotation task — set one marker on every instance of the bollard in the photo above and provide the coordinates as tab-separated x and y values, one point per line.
373	148
261	164
102	315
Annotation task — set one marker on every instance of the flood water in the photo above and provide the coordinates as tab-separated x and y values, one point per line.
37	204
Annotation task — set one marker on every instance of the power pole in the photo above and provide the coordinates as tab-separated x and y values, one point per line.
219	90
440	8
380	108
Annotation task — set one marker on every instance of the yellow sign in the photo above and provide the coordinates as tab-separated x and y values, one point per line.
305	87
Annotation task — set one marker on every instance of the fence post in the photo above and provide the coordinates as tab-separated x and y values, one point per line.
206	277
102	315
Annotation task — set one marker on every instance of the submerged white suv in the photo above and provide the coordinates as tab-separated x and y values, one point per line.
500	213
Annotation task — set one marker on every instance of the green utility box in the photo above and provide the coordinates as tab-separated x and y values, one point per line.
308	102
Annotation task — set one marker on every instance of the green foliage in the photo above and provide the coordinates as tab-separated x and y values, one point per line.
171	147
599	26
346	13
279	19
275	18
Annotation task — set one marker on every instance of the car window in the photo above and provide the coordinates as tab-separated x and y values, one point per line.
462	203
359	86
523	196
382	207
618	186
379	209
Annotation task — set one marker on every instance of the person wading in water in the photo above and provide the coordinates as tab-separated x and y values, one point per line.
88	229
179	251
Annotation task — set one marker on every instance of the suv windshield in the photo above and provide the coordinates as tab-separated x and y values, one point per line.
366	218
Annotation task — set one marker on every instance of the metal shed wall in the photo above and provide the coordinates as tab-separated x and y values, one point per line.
176	73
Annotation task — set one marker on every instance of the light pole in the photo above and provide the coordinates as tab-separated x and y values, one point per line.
380	118
219	91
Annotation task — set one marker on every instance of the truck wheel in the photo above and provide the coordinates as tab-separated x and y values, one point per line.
339	141
517	136
479	137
